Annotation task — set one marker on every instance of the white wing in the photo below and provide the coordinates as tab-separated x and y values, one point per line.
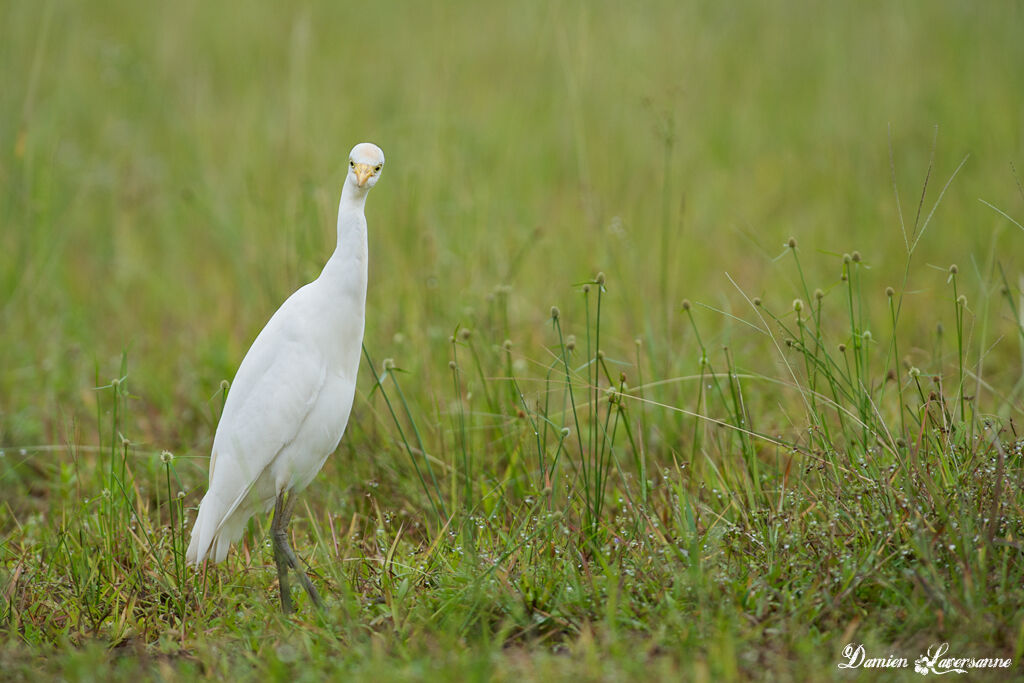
276	387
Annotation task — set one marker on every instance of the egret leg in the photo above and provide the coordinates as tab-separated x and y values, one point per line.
278	531
285	557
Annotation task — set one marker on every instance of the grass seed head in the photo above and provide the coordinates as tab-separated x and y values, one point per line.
819	294
962	300
757	301
555	313
798	305
686	304
954	269
791	243
855	256
599	279
890	292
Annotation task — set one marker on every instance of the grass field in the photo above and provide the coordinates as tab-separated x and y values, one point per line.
776	411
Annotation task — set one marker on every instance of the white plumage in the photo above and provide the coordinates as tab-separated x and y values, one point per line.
290	400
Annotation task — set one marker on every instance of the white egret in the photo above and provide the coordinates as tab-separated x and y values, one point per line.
291	398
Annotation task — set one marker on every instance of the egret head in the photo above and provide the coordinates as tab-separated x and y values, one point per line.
365	163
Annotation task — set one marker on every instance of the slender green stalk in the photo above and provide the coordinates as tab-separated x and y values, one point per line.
959	304
461	434
436	498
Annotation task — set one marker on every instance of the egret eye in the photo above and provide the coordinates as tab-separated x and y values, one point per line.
379	166
351	163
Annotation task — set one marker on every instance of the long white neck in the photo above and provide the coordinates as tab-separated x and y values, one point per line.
347	267
353	199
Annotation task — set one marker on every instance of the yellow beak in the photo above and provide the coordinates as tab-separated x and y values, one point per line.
363	173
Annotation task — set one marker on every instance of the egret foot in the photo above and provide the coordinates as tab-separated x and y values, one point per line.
284	556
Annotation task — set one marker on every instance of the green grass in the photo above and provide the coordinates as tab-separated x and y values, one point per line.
725	454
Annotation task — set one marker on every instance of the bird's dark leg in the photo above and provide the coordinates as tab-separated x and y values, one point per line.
279	532
285	556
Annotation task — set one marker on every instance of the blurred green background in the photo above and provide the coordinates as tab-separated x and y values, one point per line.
169	173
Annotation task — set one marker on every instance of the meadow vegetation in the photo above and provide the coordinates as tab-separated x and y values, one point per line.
693	350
